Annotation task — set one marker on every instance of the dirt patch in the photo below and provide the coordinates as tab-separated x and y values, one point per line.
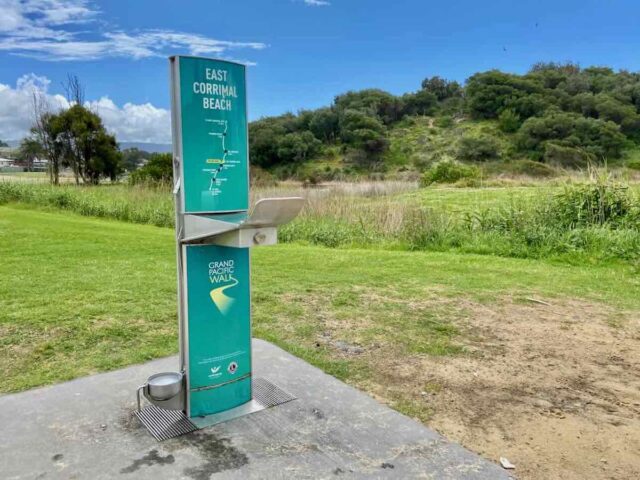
553	388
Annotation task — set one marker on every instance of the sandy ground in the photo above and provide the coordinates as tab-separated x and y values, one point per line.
553	388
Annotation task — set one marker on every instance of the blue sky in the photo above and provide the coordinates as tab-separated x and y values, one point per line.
302	52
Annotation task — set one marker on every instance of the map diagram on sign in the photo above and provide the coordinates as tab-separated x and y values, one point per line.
221	162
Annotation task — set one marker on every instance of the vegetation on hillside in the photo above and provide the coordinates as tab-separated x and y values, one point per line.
557	115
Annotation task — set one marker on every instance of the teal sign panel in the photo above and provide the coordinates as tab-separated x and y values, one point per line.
218	327
213	120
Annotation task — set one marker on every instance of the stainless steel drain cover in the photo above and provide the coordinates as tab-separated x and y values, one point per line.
164	424
268	394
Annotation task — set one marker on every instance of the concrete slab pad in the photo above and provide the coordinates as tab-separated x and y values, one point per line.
85	429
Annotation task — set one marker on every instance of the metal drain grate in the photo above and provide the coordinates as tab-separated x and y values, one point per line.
164	424
269	395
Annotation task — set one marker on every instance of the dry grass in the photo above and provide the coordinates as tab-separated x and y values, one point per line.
372	204
506	221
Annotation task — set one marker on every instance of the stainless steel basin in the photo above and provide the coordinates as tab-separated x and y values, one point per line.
163	386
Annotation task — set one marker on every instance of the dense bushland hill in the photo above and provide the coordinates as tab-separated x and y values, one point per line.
555	115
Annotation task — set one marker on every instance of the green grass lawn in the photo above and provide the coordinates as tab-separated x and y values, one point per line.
36	175
81	295
459	200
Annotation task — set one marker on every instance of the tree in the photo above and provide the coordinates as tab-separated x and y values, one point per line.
45	132
263	141
585	104
441	88
106	159
371	102
3	144
158	169
509	121
526	106
29	150
365	134
372	142
353	120
595	137
75	137
324	124
489	93
132	158
298	147
422	102
478	148
593	111
609	108
601	79
88	149
551	75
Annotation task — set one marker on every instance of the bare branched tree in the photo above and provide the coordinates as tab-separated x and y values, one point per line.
74	90
73	151
42	130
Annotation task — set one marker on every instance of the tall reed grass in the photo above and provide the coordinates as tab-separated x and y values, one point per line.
130	204
598	219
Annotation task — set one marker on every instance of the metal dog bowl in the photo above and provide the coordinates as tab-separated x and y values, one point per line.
163	390
163	386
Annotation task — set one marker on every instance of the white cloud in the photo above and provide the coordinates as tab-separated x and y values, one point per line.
317	3
41	29
129	123
35	18
133	122
16	105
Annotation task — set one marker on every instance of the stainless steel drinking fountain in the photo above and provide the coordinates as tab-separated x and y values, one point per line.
215	232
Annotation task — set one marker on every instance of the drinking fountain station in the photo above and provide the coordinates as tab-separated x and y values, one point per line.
214	235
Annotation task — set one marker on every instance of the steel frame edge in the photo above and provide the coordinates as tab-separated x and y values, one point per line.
178	177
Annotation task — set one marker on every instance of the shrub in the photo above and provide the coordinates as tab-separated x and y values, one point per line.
532	169
633	164
488	93
261	178
509	121
478	148
568	157
298	147
596	137
442	88
157	170
447	171
445	121
419	103
594	204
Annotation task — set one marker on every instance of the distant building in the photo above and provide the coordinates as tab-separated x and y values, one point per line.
40	164
6	162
